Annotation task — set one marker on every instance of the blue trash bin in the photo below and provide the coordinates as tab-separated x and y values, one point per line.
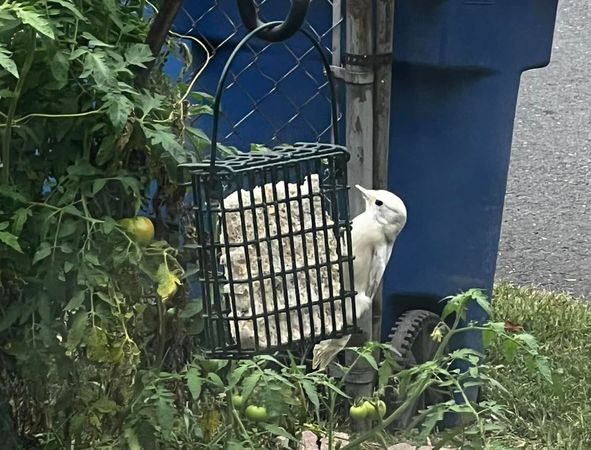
456	74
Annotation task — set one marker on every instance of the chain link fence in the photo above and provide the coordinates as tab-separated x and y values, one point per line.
275	93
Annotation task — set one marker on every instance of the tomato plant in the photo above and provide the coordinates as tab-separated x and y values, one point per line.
83	298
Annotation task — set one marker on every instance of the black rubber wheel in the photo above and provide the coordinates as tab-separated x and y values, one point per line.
411	336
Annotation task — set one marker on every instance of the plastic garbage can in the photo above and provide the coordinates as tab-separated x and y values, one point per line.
456	75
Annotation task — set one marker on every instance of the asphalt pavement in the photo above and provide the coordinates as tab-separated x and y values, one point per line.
546	237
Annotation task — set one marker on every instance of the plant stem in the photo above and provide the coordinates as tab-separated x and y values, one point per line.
242	428
161	332
331	420
447	438
447	338
12	108
59	116
469	403
383	441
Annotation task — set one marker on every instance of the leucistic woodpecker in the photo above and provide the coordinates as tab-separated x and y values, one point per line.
373	234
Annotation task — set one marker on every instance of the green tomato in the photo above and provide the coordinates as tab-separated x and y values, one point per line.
140	227
358	412
256	413
237	401
371	410
381	408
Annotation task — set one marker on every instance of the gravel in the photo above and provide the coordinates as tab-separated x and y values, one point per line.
546	236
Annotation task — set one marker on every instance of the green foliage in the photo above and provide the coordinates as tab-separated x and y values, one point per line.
544	416
83	321
453	375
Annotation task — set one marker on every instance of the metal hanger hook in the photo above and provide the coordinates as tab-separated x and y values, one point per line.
292	23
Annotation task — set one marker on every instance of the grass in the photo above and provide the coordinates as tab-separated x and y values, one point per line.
546	416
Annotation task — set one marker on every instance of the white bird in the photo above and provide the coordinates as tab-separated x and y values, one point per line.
373	234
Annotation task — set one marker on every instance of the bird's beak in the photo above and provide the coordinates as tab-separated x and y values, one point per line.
367	193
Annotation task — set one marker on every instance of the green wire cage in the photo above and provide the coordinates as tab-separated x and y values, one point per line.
273	240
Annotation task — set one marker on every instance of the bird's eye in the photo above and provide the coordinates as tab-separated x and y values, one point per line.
379	203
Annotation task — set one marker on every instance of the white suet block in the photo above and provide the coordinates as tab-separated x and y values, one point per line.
272	254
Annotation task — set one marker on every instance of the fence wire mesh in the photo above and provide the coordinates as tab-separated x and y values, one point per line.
276	93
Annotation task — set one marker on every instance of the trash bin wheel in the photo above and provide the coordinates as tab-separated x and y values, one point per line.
411	336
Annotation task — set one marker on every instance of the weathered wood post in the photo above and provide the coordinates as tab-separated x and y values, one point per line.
359	77
368	75
381	118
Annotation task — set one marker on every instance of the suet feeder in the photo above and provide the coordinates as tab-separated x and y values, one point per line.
273	241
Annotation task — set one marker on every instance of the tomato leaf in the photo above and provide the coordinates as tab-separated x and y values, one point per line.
95	64
42	252
10	316
76	301
12	193
98	185
97	345
235	445
236	375
215	379
312	394
19	218
192	308
10	240
249	384
72	8
149	101
194	382
105	406
138	55
163	136
31	17
93	41
7	63
119	107
510	348
109	225
77	330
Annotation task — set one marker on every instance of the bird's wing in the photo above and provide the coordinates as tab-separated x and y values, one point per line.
325	351
381	254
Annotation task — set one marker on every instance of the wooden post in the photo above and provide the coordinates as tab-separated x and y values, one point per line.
382	91
337	19
359	78
381	119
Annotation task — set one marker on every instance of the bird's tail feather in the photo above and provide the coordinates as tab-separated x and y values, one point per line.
324	352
